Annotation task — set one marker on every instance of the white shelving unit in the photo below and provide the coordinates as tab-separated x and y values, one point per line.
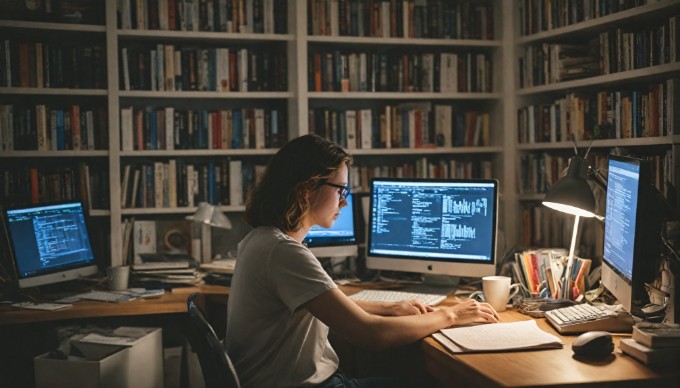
634	19
502	102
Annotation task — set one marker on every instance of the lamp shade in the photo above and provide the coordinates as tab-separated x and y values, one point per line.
572	193
209	214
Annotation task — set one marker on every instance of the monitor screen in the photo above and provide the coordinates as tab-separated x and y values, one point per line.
623	186
631	232
438	227
49	243
338	240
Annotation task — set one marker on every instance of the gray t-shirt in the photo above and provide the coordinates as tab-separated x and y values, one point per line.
271	340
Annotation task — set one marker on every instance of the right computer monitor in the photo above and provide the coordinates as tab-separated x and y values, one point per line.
632	231
433	226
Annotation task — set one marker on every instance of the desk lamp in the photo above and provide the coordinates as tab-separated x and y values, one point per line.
572	195
207	216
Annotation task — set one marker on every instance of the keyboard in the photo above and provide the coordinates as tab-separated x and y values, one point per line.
397	296
104	296
585	317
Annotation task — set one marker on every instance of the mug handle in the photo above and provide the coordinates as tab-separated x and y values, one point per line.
477	295
513	292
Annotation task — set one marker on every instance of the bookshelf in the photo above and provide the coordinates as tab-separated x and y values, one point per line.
493	36
625	105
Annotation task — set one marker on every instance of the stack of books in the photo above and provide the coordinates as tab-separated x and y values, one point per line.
654	344
165	270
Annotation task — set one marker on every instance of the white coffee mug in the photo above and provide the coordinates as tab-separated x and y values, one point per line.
118	277
498	291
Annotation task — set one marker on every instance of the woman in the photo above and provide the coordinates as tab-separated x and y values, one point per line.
282	302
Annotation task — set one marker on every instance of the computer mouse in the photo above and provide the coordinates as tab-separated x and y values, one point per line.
593	343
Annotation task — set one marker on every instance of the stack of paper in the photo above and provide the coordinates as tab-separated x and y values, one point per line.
497	337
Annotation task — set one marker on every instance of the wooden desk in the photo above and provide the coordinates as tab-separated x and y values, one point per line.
25	334
540	367
524	368
168	303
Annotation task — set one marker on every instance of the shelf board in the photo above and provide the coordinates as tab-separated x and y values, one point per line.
607	80
54	154
603	143
403	96
202	35
211	152
52	26
203	95
589	27
366	40
54	91
425	151
99	213
531	197
176	210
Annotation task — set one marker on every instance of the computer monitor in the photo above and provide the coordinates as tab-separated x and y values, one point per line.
338	240
433	226
632	231
49	243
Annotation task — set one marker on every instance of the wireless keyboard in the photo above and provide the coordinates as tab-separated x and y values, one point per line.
103	296
397	296
585	317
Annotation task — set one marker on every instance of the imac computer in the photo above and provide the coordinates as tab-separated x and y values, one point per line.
632	231
433	227
338	240
49	243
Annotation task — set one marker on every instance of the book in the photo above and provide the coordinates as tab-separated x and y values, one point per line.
650	356
497	337
657	335
144	238
225	266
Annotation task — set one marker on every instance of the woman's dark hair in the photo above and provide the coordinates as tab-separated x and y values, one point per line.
280	198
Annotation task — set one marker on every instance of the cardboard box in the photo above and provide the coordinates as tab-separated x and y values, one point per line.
139	365
172	367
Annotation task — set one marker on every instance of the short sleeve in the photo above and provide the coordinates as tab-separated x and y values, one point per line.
296	274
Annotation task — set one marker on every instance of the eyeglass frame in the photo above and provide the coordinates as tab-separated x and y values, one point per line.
346	189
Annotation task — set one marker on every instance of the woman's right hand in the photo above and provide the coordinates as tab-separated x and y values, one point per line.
472	311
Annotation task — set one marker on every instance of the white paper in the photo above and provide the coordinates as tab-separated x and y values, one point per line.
501	336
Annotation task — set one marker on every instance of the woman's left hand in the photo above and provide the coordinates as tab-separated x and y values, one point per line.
409	307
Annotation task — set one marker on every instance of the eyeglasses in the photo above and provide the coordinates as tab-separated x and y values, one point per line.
344	190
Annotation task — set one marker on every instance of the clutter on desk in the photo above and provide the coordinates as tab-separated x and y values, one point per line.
165	270
542	273
41	306
224	266
218	279
656	344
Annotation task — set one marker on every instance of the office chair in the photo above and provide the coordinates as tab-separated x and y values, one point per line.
218	371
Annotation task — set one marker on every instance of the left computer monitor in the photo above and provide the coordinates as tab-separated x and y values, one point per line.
49	243
338	240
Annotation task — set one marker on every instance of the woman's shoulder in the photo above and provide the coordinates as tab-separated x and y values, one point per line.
269	236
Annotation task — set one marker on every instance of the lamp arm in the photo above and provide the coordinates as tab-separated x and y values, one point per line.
596	176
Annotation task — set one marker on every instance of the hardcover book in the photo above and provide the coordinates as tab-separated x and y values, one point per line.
657	335
650	356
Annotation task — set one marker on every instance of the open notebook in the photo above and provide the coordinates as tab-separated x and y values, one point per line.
497	337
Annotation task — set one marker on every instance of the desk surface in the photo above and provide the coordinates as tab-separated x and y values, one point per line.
539	367
168	303
523	368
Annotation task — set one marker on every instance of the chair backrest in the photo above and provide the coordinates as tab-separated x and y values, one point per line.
218	371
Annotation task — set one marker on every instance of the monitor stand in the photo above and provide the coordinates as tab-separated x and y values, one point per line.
435	284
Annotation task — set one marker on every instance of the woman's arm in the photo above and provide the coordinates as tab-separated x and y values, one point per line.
377	332
410	307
